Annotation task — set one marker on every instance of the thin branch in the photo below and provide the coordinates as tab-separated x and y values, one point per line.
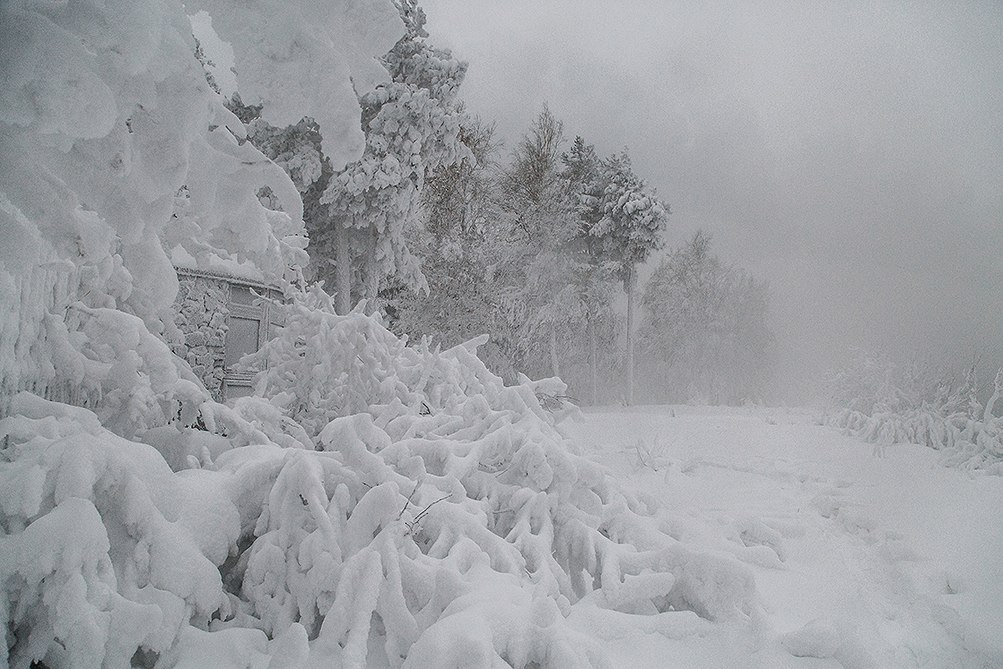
425	510
408	500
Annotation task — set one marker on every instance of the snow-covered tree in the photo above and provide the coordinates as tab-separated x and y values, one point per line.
412	126
704	328
458	244
503	254
540	259
460	197
594	282
297	149
115	149
310	61
625	221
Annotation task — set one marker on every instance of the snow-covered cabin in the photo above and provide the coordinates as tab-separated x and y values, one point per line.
222	317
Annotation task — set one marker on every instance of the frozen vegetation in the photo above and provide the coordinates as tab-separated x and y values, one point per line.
377	501
883	404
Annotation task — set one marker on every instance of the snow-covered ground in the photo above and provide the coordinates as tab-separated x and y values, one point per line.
860	559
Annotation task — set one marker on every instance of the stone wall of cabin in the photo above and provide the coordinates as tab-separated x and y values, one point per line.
200	312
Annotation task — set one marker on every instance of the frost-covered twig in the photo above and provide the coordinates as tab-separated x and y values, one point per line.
408	500
421	514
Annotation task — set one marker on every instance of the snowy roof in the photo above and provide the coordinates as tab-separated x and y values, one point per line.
242	273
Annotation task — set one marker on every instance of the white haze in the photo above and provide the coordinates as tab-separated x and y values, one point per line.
850	153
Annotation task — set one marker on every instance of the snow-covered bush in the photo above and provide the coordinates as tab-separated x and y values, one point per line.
105	550
418	509
878	403
457	472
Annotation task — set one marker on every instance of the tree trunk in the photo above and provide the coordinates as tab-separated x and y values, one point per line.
987	414
555	365
372	279
629	287
593	362
342	269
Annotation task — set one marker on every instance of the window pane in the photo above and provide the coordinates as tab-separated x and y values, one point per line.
242	295
241	339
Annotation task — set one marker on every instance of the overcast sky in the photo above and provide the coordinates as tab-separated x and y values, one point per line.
850	153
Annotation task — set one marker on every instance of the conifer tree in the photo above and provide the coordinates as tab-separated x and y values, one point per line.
412	126
623	221
581	172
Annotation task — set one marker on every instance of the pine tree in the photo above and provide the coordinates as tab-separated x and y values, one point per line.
624	222
412	126
581	172
459	243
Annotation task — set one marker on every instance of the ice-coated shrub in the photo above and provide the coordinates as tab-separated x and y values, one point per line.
466	484
104	549
879	404
418	509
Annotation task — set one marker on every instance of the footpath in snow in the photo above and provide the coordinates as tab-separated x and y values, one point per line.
860	560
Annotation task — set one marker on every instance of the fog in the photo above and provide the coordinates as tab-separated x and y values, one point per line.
849	153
